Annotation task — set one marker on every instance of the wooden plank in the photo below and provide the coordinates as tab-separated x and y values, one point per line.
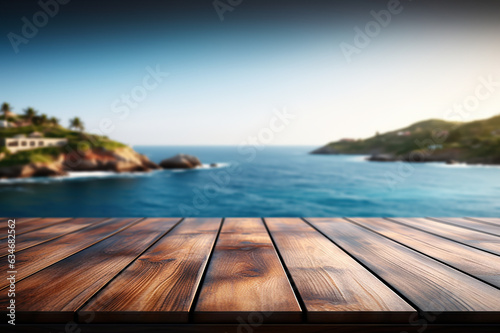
35	258
491	220
471	238
41	298
40	236
161	284
333	286
18	220
470	224
245	279
480	264
30	225
430	285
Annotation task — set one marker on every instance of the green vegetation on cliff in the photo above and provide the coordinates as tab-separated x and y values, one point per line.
40	155
476	141
30	122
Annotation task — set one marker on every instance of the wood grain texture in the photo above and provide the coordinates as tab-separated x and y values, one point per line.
430	285
472	238
38	257
23	226
470	224
18	220
41	298
333	286
160	285
490	220
245	279
480	264
46	234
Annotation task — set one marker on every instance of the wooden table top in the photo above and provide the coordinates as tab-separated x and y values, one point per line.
250	270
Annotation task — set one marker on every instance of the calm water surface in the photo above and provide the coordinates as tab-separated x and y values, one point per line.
278	181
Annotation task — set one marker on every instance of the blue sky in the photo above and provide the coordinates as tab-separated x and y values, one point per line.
227	77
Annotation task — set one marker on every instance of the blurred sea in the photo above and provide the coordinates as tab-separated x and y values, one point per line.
275	181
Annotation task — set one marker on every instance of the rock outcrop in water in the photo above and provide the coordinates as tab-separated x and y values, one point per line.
382	158
325	150
98	159
117	160
181	161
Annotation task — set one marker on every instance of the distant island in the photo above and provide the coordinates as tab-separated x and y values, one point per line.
34	145
475	142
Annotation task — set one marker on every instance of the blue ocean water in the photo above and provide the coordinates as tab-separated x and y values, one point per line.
274	181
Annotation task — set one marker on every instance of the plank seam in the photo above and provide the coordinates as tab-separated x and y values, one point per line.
75	314
203	276
51	239
393	289
28	219
66	219
415	250
298	297
119	230
436	219
435	234
478	219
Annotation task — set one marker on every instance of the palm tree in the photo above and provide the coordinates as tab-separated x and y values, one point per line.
30	113
76	123
40	120
54	121
43	119
6	109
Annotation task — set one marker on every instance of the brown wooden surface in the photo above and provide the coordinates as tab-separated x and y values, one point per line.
245	278
27	225
252	275
16	219
333	286
430	285
46	234
469	237
470	224
173	268
490	220
35	258
480	264
45	299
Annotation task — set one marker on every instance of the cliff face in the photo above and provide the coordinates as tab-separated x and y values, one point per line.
98	159
118	160
34	169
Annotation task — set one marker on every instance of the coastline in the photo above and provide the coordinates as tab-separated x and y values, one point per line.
386	158
95	175
280	182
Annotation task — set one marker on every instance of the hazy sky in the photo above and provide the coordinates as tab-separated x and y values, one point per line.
227	77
